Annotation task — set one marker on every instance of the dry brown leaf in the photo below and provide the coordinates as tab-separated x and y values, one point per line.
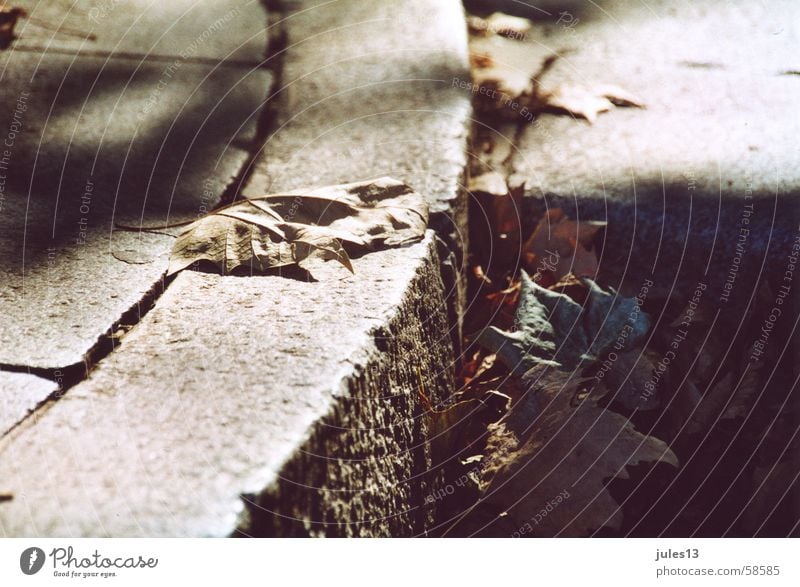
8	20
458	424
286	229
560	246
501	86
480	60
586	102
558	442
502	305
506	25
501	24
496	211
477	25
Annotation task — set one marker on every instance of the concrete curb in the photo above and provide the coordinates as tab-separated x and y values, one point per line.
271	405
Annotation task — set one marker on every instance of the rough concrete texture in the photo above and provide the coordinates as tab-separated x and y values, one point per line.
367	90
370	89
20	393
271	405
90	140
719	132
217	30
233	384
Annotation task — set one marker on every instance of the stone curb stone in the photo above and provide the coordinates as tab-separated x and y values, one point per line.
270	405
215	392
20	394
96	141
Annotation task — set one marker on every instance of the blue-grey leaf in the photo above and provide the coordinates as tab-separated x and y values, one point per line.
612	319
551	329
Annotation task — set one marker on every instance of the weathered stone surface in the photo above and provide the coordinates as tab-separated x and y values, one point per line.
301	396
368	90
215	392
213	30
20	393
718	134
371	89
90	141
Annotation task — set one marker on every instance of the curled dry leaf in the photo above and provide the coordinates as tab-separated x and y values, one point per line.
548	461
8	20
458	424
629	379
586	102
499	86
480	60
286	229
560	246
551	329
496	212
501	24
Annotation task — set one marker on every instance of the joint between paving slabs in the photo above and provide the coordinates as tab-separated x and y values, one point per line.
275	56
70	375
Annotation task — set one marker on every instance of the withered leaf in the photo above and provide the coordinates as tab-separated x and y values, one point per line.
627	377
547	462
497	211
286	229
551	329
500	23
559	246
8	20
586	102
502	83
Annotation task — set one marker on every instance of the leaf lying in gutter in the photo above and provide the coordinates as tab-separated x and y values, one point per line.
553	330
8	20
560	246
287	229
549	459
587	103
499	23
629	375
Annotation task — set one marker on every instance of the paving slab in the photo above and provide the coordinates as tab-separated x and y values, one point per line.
271	405
368	90
20	393
676	180
215	30
219	387
90	141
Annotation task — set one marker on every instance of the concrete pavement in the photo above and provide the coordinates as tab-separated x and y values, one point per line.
274	405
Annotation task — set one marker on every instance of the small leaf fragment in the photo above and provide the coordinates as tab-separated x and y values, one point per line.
560	246
586	102
8	21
